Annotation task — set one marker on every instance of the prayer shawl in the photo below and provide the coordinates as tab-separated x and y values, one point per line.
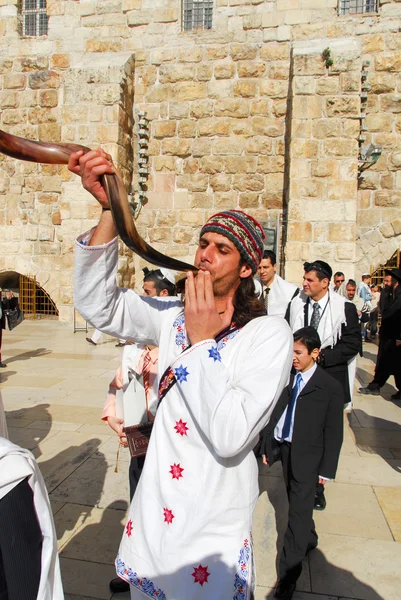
280	295
188	531
332	319
17	464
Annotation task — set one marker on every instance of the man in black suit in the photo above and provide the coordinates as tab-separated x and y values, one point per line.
336	321
305	431
389	354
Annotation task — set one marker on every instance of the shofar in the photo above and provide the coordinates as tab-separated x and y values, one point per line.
58	154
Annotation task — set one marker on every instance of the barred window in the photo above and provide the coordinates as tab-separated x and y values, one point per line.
348	7
34	17
197	14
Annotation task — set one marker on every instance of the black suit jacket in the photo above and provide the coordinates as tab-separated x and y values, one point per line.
318	428
335	360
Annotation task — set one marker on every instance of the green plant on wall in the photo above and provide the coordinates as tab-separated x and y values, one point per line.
326	56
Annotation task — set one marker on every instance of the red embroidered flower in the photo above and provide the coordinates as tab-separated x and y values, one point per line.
176	471
200	575
181	427
246	543
129	528
168	515
243	567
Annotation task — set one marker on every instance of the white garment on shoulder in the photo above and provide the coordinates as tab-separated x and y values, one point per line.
17	464
280	295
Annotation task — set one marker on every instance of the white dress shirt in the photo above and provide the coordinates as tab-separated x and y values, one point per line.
279	427
322	303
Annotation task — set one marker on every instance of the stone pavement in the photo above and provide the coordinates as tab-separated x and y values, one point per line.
53	392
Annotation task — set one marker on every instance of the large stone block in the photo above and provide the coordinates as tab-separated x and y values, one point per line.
182	92
227	200
269	127
44	80
309	64
246	88
342	190
232	107
186	128
201	147
301	188
275	51
212	127
299	231
14	81
249	183
390	103
387	198
217	52
9	100
260	106
27	64
243	51
274	89
343	106
340	147
221	182
202	109
211	164
259	145
240	164
270	164
326	128
176	147
224	69
341	232
228	145
388	62
164	129
251	68
307	107
204	72
171	73
327	85
379	122
220	89
304	148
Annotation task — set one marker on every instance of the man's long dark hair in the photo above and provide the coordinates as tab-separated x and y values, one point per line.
247	305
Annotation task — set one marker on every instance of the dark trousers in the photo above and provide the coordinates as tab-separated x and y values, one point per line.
301	531
388	363
20	545
135	470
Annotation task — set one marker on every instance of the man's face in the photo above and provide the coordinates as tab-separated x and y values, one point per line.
350	289
149	288
302	360
388	282
338	280
218	255
266	271
313	287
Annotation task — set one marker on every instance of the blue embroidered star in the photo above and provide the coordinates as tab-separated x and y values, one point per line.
215	354
181	374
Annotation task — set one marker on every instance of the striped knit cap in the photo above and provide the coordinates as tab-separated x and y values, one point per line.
242	230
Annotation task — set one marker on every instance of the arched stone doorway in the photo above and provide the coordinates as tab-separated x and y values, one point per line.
34	301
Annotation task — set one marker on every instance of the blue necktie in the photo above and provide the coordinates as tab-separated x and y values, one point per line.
290	408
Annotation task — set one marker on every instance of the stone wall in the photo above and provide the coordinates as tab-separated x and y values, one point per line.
244	115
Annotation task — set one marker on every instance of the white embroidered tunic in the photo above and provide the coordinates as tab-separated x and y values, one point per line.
188	533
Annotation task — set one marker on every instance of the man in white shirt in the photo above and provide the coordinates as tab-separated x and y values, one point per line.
277	293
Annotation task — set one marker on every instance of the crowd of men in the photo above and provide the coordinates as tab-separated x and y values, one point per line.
216	381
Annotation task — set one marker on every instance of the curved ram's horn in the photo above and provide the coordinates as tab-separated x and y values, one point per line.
58	154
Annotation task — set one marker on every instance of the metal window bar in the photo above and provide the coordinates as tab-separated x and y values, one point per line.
197	14
34	18
347	7
33	299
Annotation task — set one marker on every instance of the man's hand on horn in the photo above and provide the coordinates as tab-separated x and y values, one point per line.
202	320
90	167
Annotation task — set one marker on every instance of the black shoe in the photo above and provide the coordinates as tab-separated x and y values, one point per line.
396	396
370	391
90	341
2	365
320	501
284	590
120	344
118	585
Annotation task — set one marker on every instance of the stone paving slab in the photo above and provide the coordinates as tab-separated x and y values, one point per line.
354	567
390	503
88	577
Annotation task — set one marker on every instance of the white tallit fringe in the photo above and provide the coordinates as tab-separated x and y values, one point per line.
332	320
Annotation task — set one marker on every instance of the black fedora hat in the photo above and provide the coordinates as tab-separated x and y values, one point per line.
395	273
